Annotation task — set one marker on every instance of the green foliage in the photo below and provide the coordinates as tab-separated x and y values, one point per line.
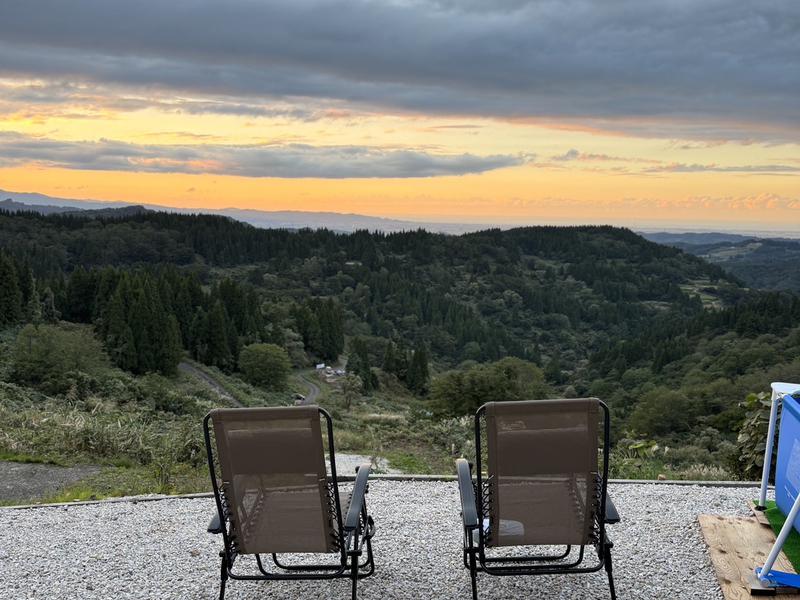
10	295
266	365
462	391
321	325
352	386
418	377
662	411
603	311
58	358
752	439
358	363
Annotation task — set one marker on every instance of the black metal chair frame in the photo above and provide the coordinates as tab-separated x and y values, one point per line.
475	503
354	534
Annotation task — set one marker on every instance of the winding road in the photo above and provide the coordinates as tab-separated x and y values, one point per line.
192	371
313	391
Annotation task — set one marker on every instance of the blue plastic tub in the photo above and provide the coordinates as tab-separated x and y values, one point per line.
787	470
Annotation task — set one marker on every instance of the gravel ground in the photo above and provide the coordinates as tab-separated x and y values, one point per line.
160	550
346	464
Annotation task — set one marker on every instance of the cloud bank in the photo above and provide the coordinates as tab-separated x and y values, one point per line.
284	160
718	67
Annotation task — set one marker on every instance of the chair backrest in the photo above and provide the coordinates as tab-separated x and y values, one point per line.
543	471
272	463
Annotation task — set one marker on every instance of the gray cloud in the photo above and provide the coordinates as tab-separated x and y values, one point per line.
720	67
287	160
571	154
700	168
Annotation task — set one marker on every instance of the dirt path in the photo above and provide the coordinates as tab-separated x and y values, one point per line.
313	391
192	371
23	482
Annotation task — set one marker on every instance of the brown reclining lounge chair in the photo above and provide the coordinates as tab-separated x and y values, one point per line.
543	487
274	496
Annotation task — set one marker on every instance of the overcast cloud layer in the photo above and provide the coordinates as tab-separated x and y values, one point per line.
289	160
734	64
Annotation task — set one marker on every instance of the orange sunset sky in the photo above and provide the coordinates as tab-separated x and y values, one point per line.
683	114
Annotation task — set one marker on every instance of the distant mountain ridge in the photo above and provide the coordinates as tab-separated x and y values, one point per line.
759	261
349	222
286	219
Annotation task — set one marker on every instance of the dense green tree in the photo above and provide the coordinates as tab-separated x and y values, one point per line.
10	295
662	411
80	295
390	362
358	363
47	356
218	348
49	312
266	365
463	391
418	378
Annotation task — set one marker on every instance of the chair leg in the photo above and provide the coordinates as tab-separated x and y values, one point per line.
473	575
223	578
607	562
354	575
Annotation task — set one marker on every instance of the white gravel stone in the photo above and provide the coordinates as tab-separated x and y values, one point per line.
160	549
346	464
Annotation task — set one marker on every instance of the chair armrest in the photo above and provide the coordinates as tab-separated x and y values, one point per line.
612	516
215	526
357	499
469	511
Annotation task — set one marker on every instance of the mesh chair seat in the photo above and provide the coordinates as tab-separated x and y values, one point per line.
274	495
543	487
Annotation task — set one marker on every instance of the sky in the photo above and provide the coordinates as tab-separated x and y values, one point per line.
682	113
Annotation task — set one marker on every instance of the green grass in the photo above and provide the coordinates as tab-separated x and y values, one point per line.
792	546
30	458
409	463
114	482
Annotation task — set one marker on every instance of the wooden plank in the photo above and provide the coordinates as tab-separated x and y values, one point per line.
758	514
737	546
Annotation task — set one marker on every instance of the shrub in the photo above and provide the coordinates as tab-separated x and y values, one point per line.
752	440
50	357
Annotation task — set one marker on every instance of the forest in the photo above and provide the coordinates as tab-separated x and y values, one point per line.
436	323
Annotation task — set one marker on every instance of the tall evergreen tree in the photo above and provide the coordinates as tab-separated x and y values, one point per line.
33	308
390	359
10	295
218	352
49	312
418	379
81	292
358	364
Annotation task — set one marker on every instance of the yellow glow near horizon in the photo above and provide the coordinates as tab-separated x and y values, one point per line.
610	179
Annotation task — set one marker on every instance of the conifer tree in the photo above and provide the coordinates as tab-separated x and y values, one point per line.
218	352
172	350
390	359
33	309
358	364
27	289
10	295
418	377
49	313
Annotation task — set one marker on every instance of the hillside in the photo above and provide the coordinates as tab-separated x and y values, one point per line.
528	292
759	263
429	326
768	263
